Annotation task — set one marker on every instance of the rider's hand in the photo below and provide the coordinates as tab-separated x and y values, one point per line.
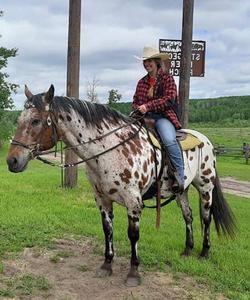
142	108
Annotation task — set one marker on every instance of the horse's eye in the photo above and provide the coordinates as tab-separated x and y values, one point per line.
35	122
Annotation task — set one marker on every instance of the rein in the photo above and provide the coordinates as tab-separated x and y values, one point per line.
92	157
34	147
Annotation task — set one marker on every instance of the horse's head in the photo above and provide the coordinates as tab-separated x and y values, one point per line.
36	130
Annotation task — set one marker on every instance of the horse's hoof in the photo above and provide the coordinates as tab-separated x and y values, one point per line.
204	254
133	279
186	252
104	271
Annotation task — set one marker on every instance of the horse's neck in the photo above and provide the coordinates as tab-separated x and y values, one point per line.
75	132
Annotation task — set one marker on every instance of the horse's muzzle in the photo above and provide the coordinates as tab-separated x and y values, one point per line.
16	164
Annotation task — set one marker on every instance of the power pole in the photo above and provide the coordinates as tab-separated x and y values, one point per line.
73	71
185	67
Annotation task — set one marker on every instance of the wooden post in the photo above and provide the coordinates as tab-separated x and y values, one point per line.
247	153
185	67
73	71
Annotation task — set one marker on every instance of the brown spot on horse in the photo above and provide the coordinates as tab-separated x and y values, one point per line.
207	172
136	174
125	176
125	152
112	191
130	161
144	179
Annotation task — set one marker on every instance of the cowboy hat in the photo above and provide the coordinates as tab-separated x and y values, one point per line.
150	52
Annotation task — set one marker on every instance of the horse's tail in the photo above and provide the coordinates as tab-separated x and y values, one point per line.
223	216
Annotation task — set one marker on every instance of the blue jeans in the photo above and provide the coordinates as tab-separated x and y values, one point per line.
167	132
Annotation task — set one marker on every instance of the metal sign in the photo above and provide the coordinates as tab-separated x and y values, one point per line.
173	47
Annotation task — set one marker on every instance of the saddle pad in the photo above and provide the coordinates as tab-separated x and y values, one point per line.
188	143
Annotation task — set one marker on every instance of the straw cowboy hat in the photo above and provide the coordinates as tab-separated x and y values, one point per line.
150	52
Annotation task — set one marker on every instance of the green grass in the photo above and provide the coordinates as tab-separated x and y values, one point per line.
230	137
233	167
60	255
25	285
34	209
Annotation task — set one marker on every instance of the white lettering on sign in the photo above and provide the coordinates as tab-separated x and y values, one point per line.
173	48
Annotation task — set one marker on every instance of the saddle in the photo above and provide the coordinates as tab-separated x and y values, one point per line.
187	141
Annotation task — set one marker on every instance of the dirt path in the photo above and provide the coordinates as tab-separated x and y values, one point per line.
70	268
236	187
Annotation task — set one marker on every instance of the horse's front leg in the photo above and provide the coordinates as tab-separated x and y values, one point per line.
133	277
107	223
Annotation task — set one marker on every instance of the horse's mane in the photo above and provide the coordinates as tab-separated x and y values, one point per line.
92	113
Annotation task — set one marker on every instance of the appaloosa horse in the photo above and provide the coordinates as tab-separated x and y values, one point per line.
122	168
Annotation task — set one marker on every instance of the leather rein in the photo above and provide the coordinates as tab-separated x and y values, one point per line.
35	151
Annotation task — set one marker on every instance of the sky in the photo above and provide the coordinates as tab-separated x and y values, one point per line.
112	33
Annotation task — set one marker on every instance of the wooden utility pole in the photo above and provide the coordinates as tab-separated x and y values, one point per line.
185	67
73	71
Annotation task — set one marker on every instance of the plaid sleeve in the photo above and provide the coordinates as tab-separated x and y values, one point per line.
170	93
135	103
140	94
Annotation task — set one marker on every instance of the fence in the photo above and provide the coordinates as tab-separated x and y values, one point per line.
221	150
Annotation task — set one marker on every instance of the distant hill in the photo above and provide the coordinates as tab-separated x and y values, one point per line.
233	111
225	111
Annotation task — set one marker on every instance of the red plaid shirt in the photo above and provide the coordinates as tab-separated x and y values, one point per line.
164	91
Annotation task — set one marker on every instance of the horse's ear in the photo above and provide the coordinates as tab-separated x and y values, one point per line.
50	94
27	92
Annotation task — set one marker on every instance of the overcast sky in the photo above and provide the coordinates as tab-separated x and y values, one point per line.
112	32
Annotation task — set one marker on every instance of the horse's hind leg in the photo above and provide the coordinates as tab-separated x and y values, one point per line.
133	277
107	223
206	201
187	215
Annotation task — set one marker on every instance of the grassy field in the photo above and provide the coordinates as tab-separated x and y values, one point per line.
230	137
234	166
34	209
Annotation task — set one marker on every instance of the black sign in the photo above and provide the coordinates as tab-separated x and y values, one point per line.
173	48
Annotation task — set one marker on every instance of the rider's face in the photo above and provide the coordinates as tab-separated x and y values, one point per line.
150	66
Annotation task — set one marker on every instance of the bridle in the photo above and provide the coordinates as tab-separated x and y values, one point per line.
35	148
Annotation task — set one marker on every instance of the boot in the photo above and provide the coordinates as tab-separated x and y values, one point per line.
178	185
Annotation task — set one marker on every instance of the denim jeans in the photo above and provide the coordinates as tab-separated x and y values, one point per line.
167	132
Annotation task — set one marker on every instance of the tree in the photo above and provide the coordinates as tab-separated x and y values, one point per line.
91	90
114	97
6	88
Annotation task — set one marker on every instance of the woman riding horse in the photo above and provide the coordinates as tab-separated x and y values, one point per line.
156	95
120	164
